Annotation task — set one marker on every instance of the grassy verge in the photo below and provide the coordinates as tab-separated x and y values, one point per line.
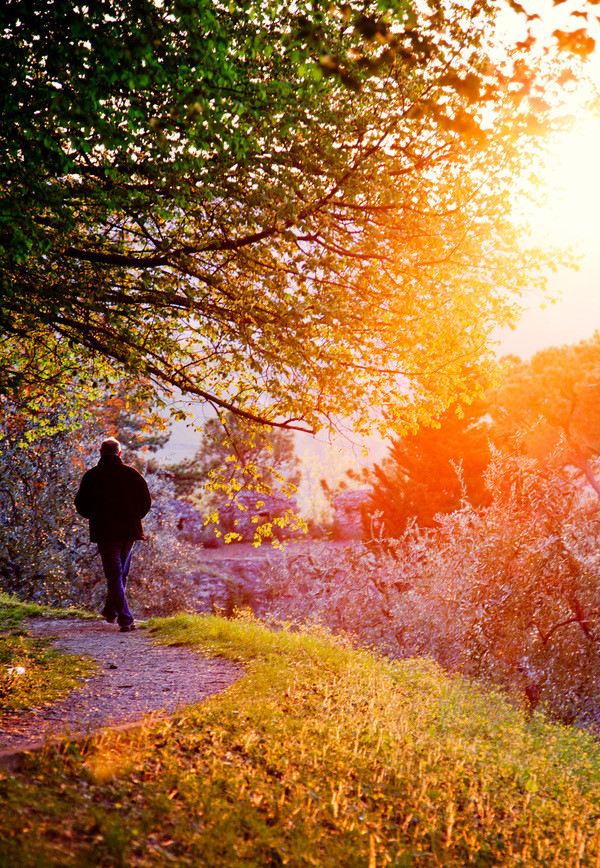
32	674
318	755
13	612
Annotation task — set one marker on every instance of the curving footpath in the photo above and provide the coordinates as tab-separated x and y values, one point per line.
135	678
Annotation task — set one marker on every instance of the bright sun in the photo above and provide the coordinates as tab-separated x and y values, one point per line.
570	173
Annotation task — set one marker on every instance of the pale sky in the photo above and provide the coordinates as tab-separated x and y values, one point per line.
572	217
575	317
571	173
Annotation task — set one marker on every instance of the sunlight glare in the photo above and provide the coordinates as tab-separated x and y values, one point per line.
570	175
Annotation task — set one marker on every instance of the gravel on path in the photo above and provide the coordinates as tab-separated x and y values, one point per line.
134	678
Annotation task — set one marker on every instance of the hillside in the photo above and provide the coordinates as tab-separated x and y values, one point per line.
320	755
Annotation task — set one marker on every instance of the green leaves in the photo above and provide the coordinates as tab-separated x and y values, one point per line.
284	214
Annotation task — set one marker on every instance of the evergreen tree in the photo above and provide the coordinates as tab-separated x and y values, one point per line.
233	454
429	471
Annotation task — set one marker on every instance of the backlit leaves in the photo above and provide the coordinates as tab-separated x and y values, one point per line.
296	215
575	41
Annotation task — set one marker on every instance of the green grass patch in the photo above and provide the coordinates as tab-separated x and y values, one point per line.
14	611
31	673
320	754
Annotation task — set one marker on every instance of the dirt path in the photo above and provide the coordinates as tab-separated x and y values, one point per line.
134	678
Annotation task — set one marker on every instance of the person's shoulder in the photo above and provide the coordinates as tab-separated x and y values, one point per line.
91	472
132	471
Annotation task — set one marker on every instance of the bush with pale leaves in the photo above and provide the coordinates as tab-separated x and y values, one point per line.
509	593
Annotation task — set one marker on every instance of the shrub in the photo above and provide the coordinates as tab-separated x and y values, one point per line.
43	552
508	593
164	571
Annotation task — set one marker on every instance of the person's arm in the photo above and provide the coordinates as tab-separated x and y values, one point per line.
83	498
145	498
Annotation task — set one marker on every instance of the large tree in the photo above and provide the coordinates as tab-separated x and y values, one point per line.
549	407
290	212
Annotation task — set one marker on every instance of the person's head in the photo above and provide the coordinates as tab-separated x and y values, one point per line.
110	446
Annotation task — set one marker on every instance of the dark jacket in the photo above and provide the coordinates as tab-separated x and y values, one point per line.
115	498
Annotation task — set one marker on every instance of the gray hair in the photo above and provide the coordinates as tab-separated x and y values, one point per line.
110	446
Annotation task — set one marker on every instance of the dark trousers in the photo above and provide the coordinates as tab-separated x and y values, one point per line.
116	558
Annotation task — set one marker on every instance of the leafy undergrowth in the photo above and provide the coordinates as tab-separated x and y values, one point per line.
319	755
31	673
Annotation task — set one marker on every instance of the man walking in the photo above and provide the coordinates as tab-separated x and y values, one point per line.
115	498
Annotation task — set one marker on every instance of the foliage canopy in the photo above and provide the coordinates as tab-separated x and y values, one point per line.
294	214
